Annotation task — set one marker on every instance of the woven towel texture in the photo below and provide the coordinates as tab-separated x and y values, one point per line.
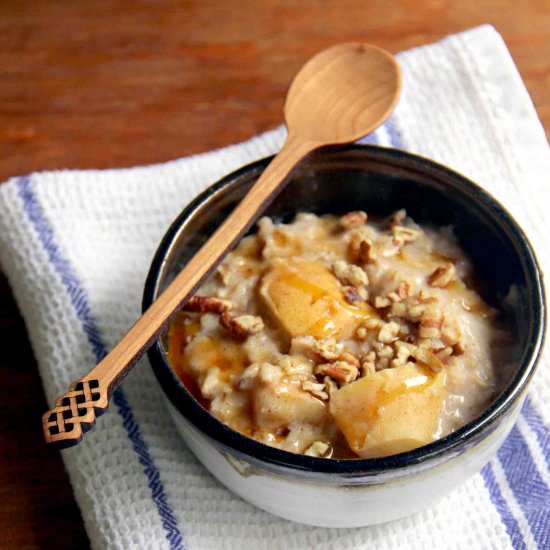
76	246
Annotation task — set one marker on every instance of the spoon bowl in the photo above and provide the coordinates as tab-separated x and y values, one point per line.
342	93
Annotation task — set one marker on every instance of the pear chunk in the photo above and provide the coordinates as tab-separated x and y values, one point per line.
305	298
280	405
392	411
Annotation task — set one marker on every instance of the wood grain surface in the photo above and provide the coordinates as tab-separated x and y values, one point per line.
98	84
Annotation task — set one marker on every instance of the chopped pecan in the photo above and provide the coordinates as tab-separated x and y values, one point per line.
349	358
350	274
381	302
363	292
450	334
361	333
402	355
431	322
353	219
242	326
315	389
426	298
398	310
425	356
444	353
437	345
369	357
319	449
430	326
328	348
403	235
389	332
341	371
458	349
354	246
385	352
429	331
367	252
295	366
352	295
426	343
404	328
415	311
207	304
372	323
404	290
394	297
398	218
442	276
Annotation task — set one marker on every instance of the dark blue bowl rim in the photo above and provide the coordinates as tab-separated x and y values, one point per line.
258	452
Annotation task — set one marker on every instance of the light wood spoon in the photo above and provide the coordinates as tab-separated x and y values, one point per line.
339	96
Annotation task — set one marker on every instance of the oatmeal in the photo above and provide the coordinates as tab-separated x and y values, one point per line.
340	337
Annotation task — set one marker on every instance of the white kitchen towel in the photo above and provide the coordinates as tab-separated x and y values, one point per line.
76	246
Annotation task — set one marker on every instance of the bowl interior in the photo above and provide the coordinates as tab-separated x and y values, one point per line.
381	181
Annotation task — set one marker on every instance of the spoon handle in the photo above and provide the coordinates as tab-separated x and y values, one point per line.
75	411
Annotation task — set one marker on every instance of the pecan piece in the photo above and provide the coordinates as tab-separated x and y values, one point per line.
404	290
381	302
425	356
207	304
350	274
402	234
389	332
450	334
242	326
444	353
398	218
349	358
353	219
319	449
341	371
352	295
315	389
458	349
367	252
431	322
442	276
372	323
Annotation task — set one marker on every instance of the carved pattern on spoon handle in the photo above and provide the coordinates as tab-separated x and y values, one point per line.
75	412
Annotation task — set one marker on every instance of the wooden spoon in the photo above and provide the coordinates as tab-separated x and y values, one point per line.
339	96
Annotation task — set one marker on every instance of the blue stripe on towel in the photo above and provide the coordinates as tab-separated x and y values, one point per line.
371	139
394	133
81	305
541	431
509	521
528	487
487	473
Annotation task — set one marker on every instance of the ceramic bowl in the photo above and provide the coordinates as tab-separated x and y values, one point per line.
347	493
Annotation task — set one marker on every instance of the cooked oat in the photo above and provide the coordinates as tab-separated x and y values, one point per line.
340	337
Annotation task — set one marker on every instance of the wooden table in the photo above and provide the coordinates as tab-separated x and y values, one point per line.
98	84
